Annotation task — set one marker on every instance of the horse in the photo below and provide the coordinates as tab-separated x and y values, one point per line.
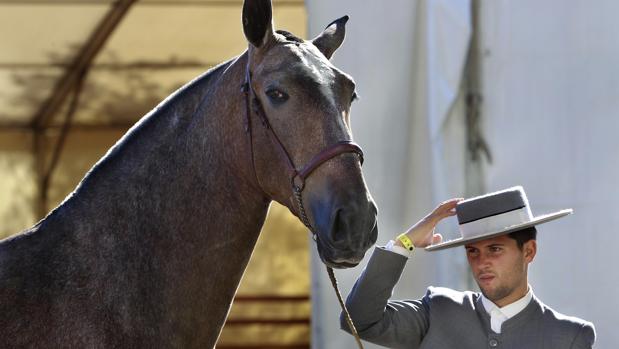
150	247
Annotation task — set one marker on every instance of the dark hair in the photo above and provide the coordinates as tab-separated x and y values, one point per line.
524	235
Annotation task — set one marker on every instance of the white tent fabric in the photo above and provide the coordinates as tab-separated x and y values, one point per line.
436	166
551	88
550	91
407	59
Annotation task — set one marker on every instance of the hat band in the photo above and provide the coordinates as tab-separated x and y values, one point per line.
495	223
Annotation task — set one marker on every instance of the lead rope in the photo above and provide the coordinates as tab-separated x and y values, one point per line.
353	329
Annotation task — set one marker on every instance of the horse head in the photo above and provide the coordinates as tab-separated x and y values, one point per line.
303	101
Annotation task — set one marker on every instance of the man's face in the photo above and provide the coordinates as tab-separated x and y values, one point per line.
500	267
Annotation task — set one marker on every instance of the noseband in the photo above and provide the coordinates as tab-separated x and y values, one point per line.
297	177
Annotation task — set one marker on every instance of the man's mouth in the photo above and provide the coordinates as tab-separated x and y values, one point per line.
486	278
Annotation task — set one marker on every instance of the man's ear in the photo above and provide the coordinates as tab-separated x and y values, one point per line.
258	22
332	37
530	250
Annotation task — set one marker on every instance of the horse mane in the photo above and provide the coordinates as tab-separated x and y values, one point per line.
289	36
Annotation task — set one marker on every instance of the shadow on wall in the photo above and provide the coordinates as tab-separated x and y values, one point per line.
114	97
114	93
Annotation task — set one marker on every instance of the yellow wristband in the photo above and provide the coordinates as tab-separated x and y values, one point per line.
406	241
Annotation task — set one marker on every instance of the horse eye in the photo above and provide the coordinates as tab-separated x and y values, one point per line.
276	96
355	97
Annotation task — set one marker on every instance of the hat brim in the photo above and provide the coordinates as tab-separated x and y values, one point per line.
535	221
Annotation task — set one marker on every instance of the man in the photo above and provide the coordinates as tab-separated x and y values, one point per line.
498	233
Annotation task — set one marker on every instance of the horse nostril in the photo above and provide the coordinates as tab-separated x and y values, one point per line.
338	229
344	228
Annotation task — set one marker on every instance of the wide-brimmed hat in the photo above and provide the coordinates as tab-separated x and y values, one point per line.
495	214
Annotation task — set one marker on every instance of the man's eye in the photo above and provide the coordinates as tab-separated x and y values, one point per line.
276	96
495	249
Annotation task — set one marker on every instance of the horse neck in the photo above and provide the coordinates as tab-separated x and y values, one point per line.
175	196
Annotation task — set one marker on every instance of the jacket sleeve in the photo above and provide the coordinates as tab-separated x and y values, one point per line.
395	324
585	337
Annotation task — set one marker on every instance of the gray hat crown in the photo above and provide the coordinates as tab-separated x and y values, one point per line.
491	204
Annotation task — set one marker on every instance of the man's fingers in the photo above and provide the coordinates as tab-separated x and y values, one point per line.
448	204
449	213
437	239
447	208
451	203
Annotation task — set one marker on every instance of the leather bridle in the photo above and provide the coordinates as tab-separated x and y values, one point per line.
297	177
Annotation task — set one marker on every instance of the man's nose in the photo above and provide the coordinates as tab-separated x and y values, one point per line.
484	259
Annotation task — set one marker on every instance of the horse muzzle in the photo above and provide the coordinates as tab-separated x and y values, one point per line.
346	233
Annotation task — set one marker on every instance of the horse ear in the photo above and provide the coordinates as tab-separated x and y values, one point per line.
332	37
257	21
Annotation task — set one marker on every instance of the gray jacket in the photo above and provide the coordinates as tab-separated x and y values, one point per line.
446	319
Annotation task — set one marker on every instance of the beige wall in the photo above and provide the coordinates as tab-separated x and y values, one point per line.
17	182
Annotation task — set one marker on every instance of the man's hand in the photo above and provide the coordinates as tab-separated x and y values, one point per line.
422	233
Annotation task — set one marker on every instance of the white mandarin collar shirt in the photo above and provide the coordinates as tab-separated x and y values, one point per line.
500	315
